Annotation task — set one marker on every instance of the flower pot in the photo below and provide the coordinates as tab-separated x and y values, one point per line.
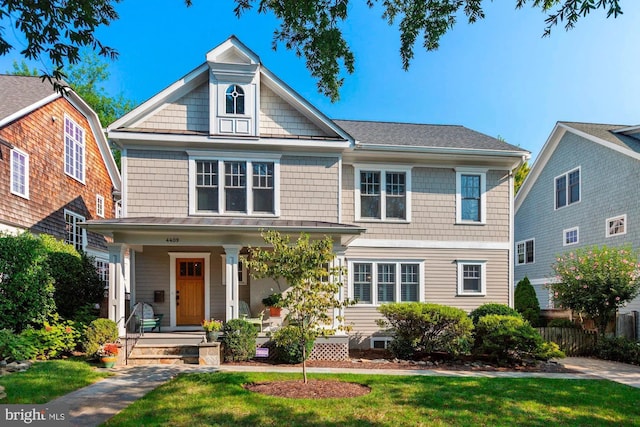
108	361
275	311
212	336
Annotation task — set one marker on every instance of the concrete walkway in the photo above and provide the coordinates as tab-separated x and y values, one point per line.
94	404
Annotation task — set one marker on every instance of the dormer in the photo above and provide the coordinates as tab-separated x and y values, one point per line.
234	80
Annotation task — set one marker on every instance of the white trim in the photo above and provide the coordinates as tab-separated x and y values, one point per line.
427	244
339	190
100	205
567	190
511	290
84	149
124	163
24	195
242	271
524	243
607	231
385	340
460	279
173	256
78	219
482	173
383	170
26	110
564	236
374	278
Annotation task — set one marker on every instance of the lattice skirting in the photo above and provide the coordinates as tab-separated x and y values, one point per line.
323	349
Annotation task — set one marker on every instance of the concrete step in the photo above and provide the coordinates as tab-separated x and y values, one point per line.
167	354
165	359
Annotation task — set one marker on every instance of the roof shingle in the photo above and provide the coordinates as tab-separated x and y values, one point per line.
19	92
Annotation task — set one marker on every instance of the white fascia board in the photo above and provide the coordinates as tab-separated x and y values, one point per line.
98	133
232	42
156	101
443	150
302	105
630	129
427	244
26	110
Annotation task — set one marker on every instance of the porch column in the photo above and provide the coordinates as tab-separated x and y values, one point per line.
232	252
117	282
340	261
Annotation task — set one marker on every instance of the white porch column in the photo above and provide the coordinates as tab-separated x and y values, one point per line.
117	285
340	261
232	252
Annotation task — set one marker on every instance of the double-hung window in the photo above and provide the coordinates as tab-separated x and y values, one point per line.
74	235
74	149
379	282
471	196
525	252
231	186
19	173
100	205
383	194
471	278
567	188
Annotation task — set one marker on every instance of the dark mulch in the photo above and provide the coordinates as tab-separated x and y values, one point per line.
314	389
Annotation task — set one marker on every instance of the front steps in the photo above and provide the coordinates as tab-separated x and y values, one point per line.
174	349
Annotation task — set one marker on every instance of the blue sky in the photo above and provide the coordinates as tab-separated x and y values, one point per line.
497	76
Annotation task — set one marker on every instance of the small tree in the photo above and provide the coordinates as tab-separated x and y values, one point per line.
596	281
526	301
313	284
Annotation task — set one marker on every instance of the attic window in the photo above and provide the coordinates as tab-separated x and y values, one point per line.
235	100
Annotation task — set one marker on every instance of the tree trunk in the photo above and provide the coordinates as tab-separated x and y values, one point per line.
304	362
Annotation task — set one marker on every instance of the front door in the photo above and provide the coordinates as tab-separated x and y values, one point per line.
189	291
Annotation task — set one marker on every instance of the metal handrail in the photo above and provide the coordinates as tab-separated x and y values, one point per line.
131	333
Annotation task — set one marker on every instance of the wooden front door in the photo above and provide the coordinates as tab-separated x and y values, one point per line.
189	291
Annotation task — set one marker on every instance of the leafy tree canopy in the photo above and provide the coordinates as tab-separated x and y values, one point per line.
57	29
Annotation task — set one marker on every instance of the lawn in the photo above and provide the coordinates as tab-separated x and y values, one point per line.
47	380
218	399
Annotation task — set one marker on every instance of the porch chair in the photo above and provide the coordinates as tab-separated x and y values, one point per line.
146	318
245	314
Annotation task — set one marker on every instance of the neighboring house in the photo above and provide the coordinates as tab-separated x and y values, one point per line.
417	212
582	190
56	166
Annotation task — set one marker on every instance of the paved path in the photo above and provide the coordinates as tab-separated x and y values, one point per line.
94	404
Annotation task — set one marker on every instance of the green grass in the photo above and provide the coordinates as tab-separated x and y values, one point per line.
218	399
47	380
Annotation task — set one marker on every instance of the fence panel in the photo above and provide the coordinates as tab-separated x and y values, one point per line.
574	342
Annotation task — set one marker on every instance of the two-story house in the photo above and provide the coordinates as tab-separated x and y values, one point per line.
56	166
581	191
417	212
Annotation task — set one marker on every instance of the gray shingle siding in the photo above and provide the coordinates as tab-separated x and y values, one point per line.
609	188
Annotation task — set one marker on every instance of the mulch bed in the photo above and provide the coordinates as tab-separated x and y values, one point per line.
314	389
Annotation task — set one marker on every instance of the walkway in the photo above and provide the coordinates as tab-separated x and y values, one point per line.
94	404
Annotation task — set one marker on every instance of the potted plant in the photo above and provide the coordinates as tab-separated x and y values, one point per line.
273	301
212	329
108	353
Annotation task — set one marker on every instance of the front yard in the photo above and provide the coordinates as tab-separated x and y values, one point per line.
220	399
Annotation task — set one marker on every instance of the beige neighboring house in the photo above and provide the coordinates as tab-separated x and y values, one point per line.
417	212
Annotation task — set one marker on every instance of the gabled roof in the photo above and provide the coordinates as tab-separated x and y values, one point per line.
607	135
422	135
22	95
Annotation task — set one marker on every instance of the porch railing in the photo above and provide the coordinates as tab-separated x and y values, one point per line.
131	333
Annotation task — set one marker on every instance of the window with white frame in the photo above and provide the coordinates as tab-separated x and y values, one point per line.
383	194
74	235
616	226
567	188
470	196
74	149
19	173
234	100
102	266
471	278
118	209
99	205
234	187
525	252
379	282
570	236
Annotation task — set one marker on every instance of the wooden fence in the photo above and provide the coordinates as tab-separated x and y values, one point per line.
574	342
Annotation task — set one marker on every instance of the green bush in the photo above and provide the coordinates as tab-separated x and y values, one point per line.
99	332
239	340
52	340
16	347
526	302
492	308
562	323
287	345
27	287
619	349
510	338
423	328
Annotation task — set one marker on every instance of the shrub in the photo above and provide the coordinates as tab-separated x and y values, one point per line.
562	323
99	332
510	338
420	328
52	340
526	302
239	340
16	347
492	308
288	347
27	287
619	349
